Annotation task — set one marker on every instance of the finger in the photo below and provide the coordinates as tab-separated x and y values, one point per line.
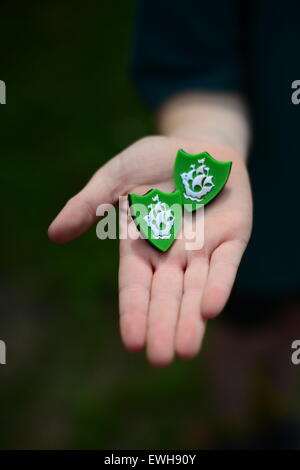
135	277
165	301
191	325
223	268
80	211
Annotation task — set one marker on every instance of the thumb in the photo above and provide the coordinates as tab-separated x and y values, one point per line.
79	213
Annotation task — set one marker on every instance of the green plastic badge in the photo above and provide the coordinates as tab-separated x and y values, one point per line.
158	216
199	178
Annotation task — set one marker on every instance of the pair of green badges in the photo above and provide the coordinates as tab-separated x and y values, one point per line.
198	180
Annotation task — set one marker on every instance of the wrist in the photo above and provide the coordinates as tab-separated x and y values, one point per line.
209	117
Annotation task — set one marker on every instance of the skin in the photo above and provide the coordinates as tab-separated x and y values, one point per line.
167	298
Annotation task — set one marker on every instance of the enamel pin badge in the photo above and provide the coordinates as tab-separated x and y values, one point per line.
158	216
199	178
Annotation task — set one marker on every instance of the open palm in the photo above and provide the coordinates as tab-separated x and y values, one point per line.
166	298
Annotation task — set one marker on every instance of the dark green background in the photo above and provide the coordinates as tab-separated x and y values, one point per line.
68	382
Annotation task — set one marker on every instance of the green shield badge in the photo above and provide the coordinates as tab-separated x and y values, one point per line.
199	178
158	216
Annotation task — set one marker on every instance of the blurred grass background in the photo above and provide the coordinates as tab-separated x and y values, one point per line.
68	382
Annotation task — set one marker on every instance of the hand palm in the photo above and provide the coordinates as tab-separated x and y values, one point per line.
165	298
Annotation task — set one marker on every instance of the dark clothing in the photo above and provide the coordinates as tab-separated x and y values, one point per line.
253	48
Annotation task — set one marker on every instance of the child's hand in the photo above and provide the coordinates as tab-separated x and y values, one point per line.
165	298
